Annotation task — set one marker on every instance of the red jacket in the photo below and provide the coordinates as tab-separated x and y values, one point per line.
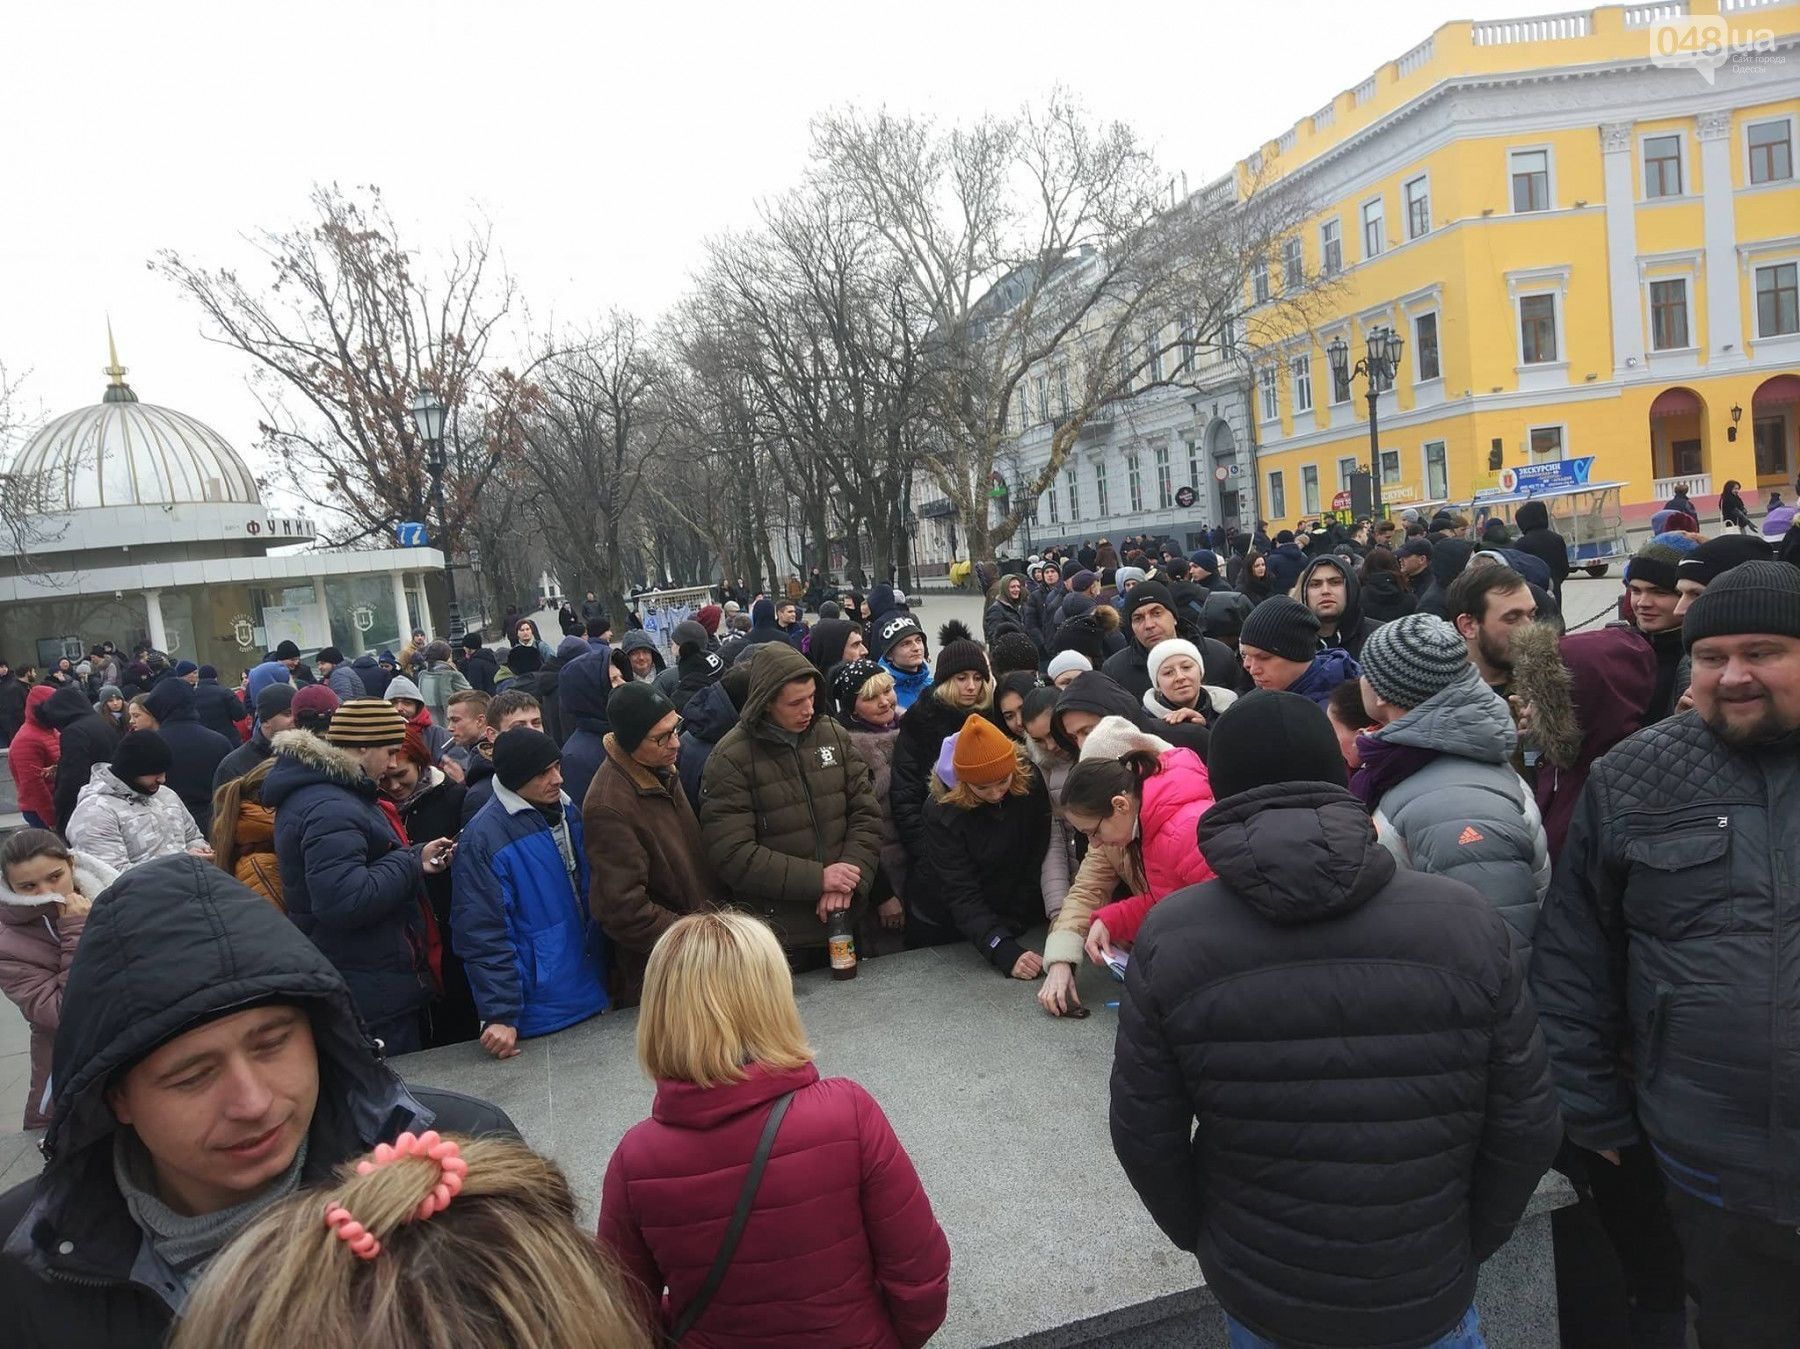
841	1250
34	749
1175	798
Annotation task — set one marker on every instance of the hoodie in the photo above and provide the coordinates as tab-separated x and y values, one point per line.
86	741
1542	542
584	691
1353	628
1448	558
1330	667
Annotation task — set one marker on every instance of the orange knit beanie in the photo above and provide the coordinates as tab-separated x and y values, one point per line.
984	756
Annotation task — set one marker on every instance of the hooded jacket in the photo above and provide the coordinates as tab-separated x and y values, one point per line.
704	722
85	741
980	874
374	678
776	808
764	631
1329	668
175	943
518	915
117	824
1003	614
842	1250
1353	628
917	740
639	640
1102	696
1356	1043
1465	813
583	690
219	709
1286	562
346	682
1537	539
34	749
36	947
1384	599
1448	558
350	883
826	647
196	751
440	681
1175	798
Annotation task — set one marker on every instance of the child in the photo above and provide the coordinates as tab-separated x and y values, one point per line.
1147	800
43	908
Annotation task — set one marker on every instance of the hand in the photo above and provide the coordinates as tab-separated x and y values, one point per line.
1685	703
1523	713
892	913
1098	944
436	855
500	1041
832	901
845	876
201	850
1058	996
452	770
1181	714
47	772
75	906
1028	966
1611	1155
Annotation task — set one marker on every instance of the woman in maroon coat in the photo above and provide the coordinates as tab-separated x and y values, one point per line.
841	1250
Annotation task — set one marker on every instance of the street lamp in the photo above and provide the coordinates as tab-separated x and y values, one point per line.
428	415
1378	366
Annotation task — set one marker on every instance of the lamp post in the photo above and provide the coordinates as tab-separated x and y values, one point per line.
1378	366
428	415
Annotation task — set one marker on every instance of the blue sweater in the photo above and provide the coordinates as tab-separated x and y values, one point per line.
520	924
908	687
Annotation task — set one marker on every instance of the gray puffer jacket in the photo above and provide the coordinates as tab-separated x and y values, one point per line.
1467	814
120	826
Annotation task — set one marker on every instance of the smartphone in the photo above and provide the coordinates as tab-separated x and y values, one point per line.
1116	962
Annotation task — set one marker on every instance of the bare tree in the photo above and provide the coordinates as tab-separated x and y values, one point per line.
32	503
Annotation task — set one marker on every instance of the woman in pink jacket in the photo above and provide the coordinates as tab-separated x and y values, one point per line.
43	908
1132	790
32	759
840	1250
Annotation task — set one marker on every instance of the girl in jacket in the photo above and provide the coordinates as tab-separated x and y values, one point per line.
1177	692
1385	594
870	712
110	704
1731	507
987	845
32	761
43	909
1253	578
1009	700
841	1250
138	716
960	685
243	834
1134	792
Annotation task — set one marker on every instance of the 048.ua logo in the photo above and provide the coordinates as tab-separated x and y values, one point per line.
1704	42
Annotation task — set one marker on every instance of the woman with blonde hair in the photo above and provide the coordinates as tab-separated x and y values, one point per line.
962	683
427	1243
987	852
243	834
774	1206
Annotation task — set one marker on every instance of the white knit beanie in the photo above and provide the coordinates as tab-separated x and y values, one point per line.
1116	737
1175	646
1064	661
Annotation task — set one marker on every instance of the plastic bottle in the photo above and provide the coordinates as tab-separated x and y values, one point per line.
842	945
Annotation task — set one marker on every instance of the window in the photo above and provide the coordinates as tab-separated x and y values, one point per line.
1346	466
1778	300
1418	207
1043	398
1331	251
1371	226
1302	369
1662	166
1153	353
1668	315
1771	151
1074	484
1194	464
1165	480
1546	442
1686	457
1437	472
1271	401
1340	383
1277	495
1537	329
1771	454
1189	336
1425	348
1293	264
1062	389
1259	280
1054	519
1228	339
1309	489
1134	483
1390	468
1100	501
1530	180
1024	412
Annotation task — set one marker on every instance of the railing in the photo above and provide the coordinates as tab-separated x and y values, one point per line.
1286	140
1324	117
1364	91
1642	16
1542	28
1416	59
1698	485
1734	6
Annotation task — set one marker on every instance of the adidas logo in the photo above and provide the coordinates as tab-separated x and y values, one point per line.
1470	834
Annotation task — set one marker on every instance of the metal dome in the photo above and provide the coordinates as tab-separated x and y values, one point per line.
121	452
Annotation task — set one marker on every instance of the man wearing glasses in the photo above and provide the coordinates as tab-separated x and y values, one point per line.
645	856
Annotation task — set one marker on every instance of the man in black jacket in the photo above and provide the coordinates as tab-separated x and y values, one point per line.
1542	542
209	1063
198	751
217	707
1665	944
86	738
1152	616
1356	1045
274	714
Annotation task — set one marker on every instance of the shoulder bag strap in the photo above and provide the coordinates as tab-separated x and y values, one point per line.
739	1219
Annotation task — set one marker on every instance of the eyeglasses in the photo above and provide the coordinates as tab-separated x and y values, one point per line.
662	741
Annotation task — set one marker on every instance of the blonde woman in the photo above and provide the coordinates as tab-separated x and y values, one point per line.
961	684
840	1249
501	1263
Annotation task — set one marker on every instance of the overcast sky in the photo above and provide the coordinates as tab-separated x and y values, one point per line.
603	144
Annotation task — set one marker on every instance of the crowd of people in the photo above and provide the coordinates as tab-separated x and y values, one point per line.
1411	893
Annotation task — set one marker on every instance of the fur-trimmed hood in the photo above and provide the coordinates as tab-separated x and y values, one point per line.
1542	682
317	757
91	877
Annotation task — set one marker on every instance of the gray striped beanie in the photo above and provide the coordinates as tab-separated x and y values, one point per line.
1412	658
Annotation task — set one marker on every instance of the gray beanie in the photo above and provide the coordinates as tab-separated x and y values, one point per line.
1412	658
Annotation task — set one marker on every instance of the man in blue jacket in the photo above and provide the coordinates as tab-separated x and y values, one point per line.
518	909
1279	648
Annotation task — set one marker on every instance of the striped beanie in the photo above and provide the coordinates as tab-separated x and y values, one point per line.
366	723
1413	658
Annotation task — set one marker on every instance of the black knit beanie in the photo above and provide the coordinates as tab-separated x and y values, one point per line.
1656	564
634	710
143	754
1753	597
524	660
522	753
847	679
1270	736
471	641
1283	627
894	629
1715	557
1013	651
957	657
1147	592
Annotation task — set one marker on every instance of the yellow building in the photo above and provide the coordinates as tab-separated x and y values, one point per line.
1589	251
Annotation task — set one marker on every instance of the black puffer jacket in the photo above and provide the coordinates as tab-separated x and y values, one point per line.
1099	694
85	739
197	752
1668	933
1543	543
1384	599
1374	1108
171	942
920	737
980	875
219	709
708	715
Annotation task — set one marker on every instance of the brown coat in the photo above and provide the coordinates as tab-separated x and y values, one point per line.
255	864
646	860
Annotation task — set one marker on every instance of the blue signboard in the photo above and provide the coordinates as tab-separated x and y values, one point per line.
410	534
1560	475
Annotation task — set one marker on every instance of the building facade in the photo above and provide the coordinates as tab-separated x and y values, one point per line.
1588	254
